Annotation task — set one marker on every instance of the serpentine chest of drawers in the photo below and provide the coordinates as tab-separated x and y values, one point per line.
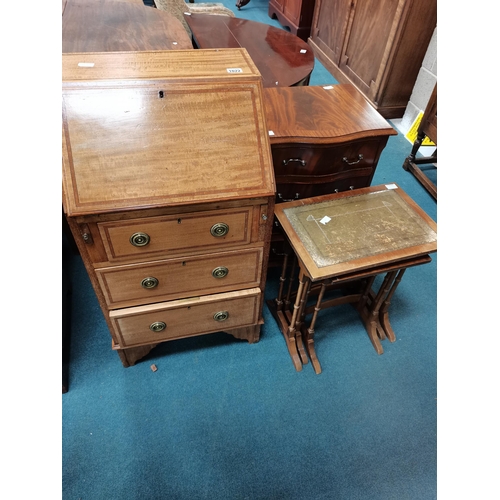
323	140
168	188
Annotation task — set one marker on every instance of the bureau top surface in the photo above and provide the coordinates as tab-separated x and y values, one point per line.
164	133
171	65
316	114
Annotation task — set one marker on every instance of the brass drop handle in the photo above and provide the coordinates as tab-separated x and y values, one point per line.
157	326
300	160
220	229
288	199
360	157
149	282
221	316
220	272
139	239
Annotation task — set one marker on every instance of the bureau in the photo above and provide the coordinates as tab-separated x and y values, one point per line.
323	140
168	188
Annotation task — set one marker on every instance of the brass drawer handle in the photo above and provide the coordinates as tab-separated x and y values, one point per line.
220	272
221	316
157	326
149	282
288	199
139	239
219	229
302	162
360	157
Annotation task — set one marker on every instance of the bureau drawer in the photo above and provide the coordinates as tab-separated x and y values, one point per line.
182	318
135	284
190	232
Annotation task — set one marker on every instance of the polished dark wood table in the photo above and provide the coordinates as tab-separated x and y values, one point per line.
111	25
283	59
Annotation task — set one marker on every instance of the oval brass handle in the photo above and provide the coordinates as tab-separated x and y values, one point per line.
149	282
139	239
220	272
221	316
157	326
219	229
302	162
360	157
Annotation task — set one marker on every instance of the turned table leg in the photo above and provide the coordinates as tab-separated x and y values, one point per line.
300	320
309	333
377	319
279	299
370	314
287	302
384	309
369	320
291	334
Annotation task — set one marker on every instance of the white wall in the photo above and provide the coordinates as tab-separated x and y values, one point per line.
427	78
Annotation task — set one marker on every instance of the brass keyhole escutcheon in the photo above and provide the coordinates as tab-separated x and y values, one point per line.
219	229
220	272
149	282
139	239
157	326
221	316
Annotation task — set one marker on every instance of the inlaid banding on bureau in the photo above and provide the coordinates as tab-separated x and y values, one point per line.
176	234
181	277
186	317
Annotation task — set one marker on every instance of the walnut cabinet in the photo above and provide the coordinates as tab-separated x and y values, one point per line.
168	188
377	45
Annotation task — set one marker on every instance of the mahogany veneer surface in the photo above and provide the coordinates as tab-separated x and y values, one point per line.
316	114
116	132
323	139
378	45
283	58
102	26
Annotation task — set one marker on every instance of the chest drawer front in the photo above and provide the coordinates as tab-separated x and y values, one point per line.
135	284
176	234
182	318
304	171
317	159
300	189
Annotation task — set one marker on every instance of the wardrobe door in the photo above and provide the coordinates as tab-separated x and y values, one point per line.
370	34
330	22
291	9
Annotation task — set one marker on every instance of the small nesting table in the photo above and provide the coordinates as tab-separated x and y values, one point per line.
348	237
